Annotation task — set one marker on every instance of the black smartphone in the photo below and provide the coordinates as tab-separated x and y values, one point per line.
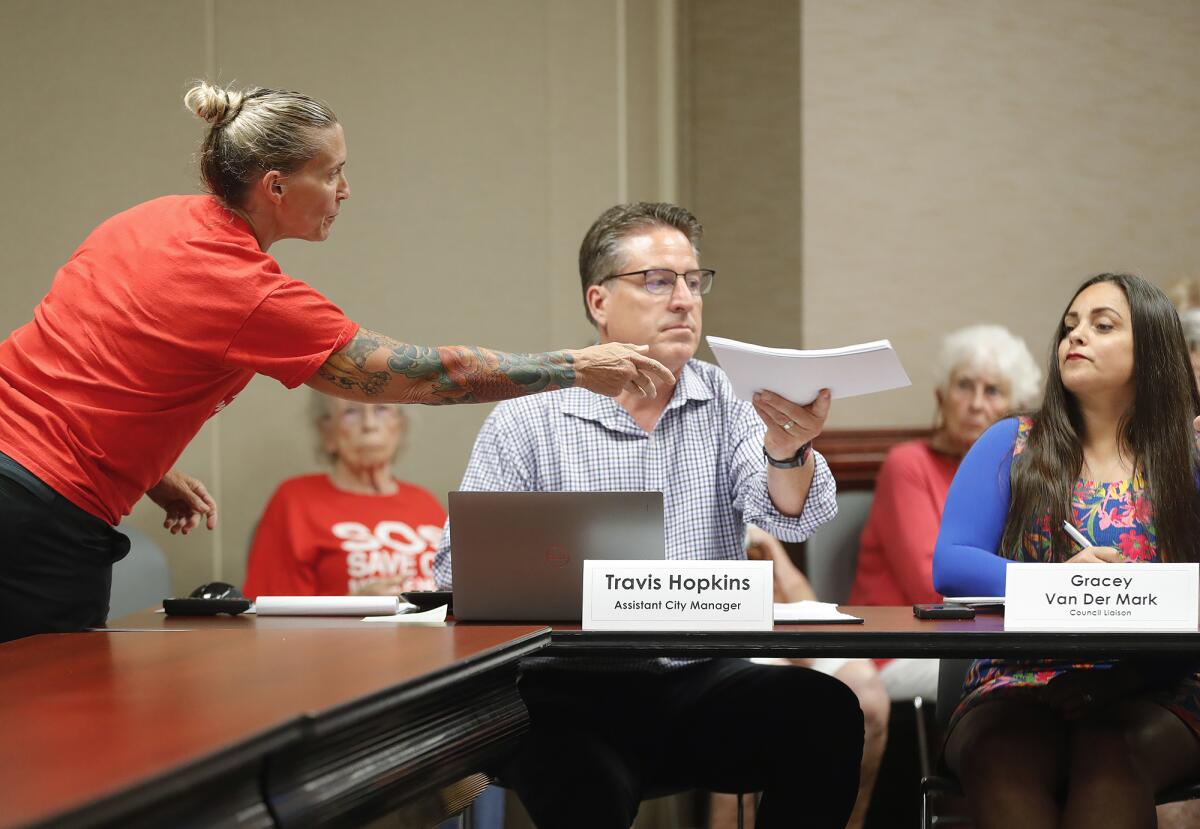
943	611
205	607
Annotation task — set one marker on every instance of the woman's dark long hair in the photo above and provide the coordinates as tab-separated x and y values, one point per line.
1157	429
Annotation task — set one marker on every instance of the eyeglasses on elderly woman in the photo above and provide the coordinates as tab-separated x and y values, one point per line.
357	412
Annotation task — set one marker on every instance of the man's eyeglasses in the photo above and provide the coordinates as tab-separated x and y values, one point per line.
662	280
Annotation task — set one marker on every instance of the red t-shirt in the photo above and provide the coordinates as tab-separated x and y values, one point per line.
156	322
895	558
317	540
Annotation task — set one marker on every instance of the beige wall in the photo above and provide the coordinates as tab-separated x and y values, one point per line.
865	169
740	159
975	161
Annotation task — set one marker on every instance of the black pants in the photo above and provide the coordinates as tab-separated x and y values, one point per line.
600	742
55	562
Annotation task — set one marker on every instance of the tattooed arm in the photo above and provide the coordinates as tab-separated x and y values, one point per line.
375	367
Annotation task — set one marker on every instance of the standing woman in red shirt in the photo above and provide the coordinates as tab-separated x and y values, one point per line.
164	313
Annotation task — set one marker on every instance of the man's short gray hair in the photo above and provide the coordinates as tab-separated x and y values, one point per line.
993	347
599	255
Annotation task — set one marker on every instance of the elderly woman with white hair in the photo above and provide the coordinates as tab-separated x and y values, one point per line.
984	372
356	529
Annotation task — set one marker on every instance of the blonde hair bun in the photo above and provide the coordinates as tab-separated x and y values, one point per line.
215	105
254	130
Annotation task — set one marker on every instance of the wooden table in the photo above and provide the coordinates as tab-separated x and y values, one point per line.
250	722
307	721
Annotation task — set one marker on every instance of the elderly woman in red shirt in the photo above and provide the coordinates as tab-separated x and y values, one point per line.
984	372
356	529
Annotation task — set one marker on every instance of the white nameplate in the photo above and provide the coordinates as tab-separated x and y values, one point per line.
1101	597
678	595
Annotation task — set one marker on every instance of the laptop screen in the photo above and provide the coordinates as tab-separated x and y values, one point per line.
518	556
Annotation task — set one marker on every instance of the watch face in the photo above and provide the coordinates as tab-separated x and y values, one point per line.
802	455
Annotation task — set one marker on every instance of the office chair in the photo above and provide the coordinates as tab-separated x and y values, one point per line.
831	556
141	579
937	789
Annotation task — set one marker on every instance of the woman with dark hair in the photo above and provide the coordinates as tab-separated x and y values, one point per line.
1112	450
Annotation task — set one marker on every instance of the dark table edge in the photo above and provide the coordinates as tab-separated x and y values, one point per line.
121	803
858	643
353	712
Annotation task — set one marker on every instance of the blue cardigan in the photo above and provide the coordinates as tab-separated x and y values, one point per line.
965	561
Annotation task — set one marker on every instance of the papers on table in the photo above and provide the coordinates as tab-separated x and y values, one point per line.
811	612
327	605
975	601
437	616
800	375
136	630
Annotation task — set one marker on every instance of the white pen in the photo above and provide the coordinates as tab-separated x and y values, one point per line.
1076	536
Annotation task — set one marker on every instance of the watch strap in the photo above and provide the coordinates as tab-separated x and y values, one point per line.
798	459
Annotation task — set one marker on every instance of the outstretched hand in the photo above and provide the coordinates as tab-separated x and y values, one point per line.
612	368
186	502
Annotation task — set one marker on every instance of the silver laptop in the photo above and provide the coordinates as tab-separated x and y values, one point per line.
518	556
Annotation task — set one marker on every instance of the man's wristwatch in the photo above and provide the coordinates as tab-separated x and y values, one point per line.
795	460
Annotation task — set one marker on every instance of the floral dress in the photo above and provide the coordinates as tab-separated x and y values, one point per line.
1113	514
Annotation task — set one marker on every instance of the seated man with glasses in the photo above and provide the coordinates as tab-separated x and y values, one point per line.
607	732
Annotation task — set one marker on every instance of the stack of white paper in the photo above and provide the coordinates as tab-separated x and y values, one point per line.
327	605
437	616
800	375
809	612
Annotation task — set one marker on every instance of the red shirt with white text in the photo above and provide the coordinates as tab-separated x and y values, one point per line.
317	540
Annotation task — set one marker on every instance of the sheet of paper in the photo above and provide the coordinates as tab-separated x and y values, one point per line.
403	607
798	375
975	601
135	630
809	612
437	616
327	605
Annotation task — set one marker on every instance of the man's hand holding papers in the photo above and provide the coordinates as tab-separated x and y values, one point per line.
790	426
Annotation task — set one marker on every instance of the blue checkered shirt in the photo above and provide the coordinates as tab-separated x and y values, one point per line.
705	456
